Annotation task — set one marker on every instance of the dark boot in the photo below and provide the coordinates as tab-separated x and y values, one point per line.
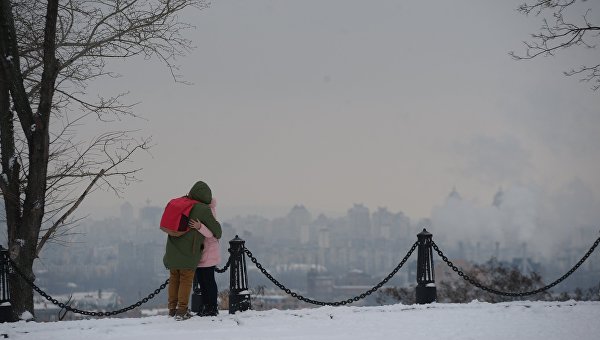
211	310
201	310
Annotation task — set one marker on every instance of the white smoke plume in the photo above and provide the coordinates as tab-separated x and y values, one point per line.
520	220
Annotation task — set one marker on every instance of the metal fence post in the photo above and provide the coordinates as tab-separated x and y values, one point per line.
426	290
239	295
5	306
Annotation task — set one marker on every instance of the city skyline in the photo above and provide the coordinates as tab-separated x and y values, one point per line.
130	246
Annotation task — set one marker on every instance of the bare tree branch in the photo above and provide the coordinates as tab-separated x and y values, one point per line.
560	31
62	219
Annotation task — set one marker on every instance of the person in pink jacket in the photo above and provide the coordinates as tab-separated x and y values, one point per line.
205	273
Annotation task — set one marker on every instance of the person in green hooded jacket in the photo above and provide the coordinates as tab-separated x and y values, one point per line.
183	252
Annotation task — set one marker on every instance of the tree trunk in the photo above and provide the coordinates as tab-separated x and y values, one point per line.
21	293
24	220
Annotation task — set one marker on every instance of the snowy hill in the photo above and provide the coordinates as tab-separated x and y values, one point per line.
476	320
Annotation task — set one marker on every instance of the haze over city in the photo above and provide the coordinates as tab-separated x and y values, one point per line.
387	104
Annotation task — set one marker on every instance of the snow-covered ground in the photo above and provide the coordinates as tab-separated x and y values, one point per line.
476	320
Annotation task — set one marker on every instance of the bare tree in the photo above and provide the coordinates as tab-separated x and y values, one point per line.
492	274
50	51
565	24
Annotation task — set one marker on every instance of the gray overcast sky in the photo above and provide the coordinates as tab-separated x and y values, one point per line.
387	103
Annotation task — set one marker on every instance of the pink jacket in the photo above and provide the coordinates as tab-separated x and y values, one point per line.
211	255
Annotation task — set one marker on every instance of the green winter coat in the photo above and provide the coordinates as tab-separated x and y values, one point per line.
184	252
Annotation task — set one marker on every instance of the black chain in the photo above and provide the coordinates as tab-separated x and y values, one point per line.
494	291
83	312
224	268
336	303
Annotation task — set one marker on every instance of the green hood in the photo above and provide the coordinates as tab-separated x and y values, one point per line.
201	192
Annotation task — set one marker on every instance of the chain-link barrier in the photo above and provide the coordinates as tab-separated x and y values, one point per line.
66	307
517	294
336	303
218	270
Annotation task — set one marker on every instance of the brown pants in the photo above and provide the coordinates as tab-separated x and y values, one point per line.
180	286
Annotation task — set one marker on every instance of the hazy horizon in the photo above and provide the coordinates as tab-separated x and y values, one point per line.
389	104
